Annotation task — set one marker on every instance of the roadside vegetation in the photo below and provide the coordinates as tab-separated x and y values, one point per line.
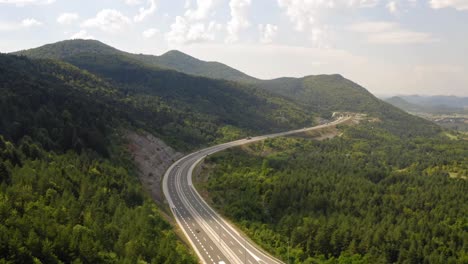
368	196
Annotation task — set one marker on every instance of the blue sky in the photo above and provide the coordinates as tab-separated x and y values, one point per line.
388	46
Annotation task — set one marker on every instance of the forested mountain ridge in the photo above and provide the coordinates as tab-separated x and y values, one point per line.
320	94
326	93
68	190
174	59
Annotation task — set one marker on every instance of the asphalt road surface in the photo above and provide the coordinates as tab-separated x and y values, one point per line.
212	238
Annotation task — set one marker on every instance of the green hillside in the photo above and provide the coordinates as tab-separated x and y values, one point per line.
174	59
403	104
365	197
142	74
327	93
68	190
187	64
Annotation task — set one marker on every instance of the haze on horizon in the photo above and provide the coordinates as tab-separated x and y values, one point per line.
389	47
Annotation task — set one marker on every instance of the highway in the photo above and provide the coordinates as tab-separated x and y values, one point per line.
213	239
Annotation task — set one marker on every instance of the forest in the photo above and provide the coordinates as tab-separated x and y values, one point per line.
69	192
369	196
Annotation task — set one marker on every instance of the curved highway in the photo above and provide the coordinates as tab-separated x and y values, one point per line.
213	239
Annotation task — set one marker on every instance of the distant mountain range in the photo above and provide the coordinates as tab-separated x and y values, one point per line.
430	104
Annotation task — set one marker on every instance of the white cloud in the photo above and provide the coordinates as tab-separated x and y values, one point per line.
185	32
239	20
30	22
203	10
392	6
373	27
149	33
27	2
144	12
82	34
307	16
401	37
25	23
192	27
108	20
360	3
132	2
305	13
460	5
67	18
390	33
267	33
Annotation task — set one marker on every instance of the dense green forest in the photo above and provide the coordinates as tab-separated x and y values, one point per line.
224	110
69	193
174	60
78	208
68	190
368	196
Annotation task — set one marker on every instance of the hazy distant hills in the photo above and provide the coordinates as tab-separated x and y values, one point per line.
430	104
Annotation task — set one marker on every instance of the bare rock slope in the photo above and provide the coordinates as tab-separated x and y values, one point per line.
153	157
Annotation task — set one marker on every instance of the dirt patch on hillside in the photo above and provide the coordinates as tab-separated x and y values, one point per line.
152	157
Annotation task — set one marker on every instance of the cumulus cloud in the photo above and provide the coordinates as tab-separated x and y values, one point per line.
149	33
305	15
203	10
67	18
25	23
267	33
27	2
108	20
30	22
82	34
132	2
193	26
185	32
460	5
239	19
392	6
390	33
145	12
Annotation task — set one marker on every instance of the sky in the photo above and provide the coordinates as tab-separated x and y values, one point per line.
388	46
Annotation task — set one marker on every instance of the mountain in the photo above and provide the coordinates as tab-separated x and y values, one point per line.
430	104
174	59
187	64
327	93
403	104
299	97
438	101
69	192
216	108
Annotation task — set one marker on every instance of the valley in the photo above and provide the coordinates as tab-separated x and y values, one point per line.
87	132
